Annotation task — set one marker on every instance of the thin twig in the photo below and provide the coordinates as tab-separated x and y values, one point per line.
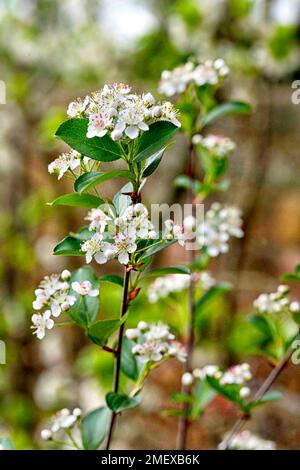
184	420
266	385
124	307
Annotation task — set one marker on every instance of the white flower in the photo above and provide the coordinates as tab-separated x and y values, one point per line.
46	434
216	145
96	247
245	392
116	111
65	275
206	280
206	73
187	379
135	223
245	440
221	223
65	162
123	246
174	232
99	124
41	323
63	420
84	288
98	220
53	293
133	333
276	302
155	342
165	285
77	107
239	374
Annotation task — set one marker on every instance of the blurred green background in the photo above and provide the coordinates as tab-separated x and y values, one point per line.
50	53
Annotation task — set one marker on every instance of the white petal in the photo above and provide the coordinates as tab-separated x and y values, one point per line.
132	132
94	293
123	258
143	126
50	324
100	257
56	310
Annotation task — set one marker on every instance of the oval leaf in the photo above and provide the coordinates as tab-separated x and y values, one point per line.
95	427
226	109
85	309
68	246
73	132
91	179
154	139
77	200
119	402
100	331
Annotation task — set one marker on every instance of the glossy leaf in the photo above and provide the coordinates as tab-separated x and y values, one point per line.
225	109
156	248
168	270
95	428
73	132
100	331
77	200
130	364
119	402
154	139
91	179
153	163
68	246
113	278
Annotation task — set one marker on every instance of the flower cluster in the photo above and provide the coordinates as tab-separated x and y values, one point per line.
63	420
216	145
68	161
221	222
117	237
155	343
163	286
276	302
207	73
239	374
166	285
115	111
246	440
53	295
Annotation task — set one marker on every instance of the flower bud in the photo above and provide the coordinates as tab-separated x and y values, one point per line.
65	275
46	434
187	379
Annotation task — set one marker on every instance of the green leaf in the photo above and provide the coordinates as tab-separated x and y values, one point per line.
168	270
86	308
113	278
202	397
130	364
68	246
153	163
156	248
263	325
185	182
231	392
77	200
211	294
121	201
100	331
7	443
226	109
84	234
119	401
73	132
154	139
267	398
179	397
91	179
95	427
